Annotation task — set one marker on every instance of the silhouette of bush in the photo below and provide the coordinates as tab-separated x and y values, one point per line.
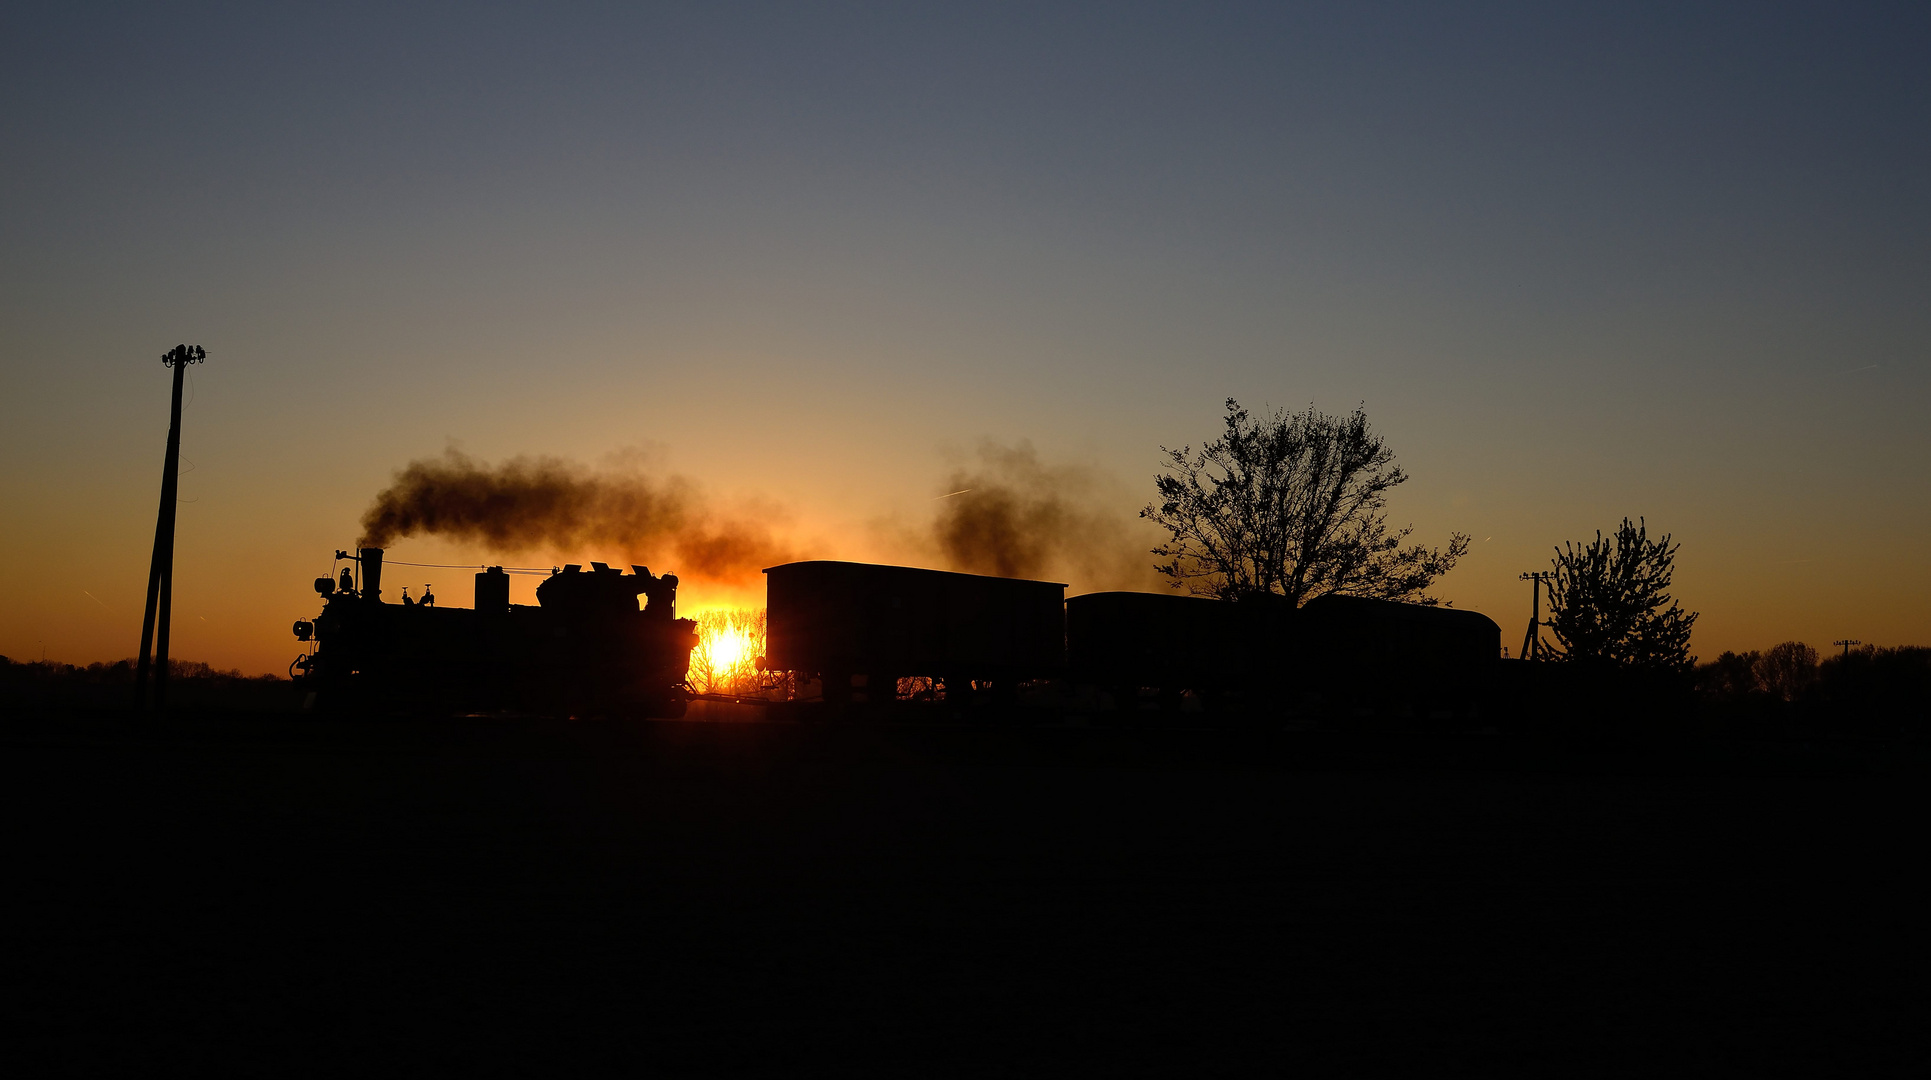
1610	605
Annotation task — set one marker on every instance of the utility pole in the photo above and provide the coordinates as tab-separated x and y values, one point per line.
1847	643
1532	647
160	601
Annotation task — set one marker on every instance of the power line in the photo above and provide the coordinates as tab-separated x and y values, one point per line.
473	566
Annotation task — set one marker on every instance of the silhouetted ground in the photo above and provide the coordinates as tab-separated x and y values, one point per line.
280	895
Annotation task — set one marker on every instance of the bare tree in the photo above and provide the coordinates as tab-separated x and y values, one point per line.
1787	670
1610	602
1293	505
1731	675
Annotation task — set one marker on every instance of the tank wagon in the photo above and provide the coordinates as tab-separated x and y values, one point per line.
1334	657
1380	657
586	646
861	627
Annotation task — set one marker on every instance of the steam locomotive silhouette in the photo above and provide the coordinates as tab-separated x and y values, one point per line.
585	648
870	637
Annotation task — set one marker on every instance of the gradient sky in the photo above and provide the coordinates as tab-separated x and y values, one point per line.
1668	260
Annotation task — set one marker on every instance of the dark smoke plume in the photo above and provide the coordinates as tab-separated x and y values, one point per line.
544	503
1013	516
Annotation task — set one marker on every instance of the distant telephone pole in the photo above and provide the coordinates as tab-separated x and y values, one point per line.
1847	643
1532	647
160	600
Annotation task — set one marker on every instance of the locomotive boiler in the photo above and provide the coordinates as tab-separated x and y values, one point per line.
586	648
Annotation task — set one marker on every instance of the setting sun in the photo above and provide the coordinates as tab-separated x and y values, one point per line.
729	642
729	648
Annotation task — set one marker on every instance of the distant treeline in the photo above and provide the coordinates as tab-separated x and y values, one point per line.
191	684
1789	689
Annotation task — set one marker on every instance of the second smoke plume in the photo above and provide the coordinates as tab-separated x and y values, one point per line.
1013	515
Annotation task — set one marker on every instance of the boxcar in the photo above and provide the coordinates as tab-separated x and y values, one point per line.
865	625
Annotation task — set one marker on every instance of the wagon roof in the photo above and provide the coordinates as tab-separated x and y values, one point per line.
905	570
1366	607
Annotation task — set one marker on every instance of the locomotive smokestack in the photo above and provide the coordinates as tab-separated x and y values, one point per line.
371	574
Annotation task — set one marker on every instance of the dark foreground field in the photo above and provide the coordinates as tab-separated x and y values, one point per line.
281	895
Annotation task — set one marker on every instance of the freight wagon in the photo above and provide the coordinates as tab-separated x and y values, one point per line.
1335	656
858	628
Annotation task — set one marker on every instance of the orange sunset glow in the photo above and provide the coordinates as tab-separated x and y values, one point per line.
1556	320
729	643
913	539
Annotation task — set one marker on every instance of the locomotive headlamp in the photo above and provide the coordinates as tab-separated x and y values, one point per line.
324	585
304	630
